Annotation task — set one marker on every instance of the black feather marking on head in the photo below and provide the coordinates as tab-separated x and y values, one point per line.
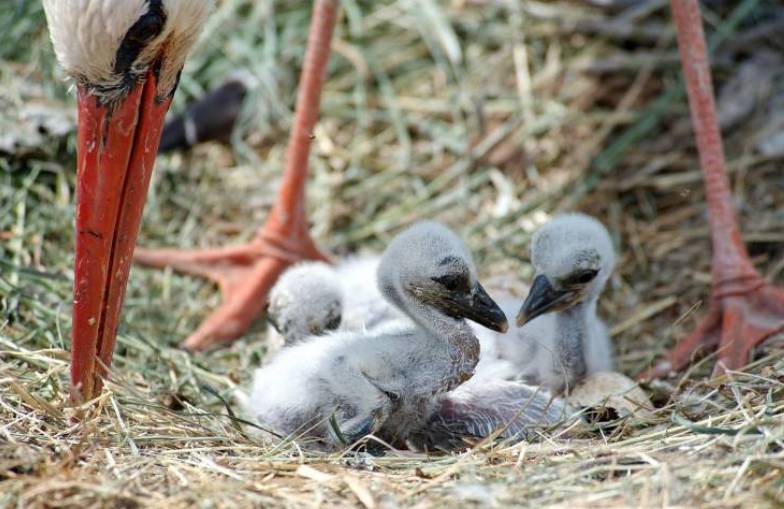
145	30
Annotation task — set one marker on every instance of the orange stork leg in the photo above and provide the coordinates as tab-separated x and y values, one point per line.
246	273
744	310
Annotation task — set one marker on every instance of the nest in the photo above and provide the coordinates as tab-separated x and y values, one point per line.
489	116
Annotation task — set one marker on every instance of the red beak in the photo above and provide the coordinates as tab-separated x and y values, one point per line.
117	145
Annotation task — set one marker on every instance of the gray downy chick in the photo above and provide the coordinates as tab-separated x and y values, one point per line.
313	298
307	300
340	387
559	338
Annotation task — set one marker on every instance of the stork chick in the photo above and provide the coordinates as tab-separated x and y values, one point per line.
559	339
306	301
313	298
343	386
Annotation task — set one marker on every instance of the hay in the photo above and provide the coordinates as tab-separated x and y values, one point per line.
487	115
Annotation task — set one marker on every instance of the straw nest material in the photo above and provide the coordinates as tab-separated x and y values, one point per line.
488	115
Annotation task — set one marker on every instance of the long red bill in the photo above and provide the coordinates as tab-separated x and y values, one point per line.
117	145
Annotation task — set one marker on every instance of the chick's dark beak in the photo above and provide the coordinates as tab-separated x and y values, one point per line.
476	306
543	298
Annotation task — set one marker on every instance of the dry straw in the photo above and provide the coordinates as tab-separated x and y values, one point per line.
489	115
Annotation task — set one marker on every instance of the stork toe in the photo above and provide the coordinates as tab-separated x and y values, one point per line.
734	325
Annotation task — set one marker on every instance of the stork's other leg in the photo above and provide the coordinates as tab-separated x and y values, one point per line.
246	273
744	309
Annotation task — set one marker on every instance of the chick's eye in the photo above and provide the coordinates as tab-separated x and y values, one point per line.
582	277
452	282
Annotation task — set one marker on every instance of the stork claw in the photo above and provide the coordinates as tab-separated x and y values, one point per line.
734	325
244	274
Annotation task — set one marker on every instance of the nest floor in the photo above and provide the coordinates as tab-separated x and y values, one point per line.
487	115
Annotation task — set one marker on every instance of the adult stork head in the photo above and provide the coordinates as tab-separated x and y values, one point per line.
125	57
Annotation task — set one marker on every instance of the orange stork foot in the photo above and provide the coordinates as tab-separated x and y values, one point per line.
246	273
737	321
744	310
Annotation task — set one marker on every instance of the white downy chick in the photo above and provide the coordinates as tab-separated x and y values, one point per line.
345	385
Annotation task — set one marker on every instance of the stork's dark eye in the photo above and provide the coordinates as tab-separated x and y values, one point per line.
582	277
453	282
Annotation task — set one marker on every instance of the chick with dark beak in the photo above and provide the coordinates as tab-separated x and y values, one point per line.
557	337
573	257
384	380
